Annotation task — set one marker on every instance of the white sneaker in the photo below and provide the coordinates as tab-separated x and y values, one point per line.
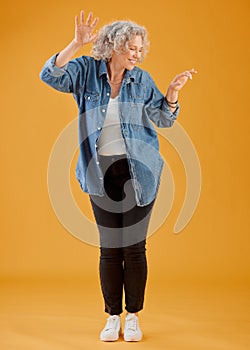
112	330
132	331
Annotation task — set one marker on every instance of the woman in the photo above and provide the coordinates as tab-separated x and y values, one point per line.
119	165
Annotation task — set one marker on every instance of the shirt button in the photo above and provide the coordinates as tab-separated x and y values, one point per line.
99	128
95	145
88	97
97	162
108	93
100	178
103	110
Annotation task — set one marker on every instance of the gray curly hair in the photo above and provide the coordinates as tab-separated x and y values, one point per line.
115	37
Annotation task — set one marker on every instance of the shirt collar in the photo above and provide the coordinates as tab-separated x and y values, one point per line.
130	75
103	68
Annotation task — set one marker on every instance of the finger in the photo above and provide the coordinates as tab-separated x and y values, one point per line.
188	74
185	74
94	23
182	76
93	37
177	83
89	18
76	21
81	17
193	71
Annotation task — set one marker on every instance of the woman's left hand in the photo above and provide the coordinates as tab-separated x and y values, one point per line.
180	80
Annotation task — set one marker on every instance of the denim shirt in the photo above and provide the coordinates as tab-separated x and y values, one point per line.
140	104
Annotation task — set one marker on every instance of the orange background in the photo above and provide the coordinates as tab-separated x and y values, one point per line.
211	36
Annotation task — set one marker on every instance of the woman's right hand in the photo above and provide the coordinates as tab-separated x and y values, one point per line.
84	31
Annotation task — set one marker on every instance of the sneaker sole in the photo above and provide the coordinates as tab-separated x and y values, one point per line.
132	339
112	339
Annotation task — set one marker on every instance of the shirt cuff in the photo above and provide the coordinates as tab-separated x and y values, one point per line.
53	69
167	109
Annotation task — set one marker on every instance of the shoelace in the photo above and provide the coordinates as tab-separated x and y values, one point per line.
132	323
111	322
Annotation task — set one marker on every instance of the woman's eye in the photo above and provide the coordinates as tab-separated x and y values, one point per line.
131	48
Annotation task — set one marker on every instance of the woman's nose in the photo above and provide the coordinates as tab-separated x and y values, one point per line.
136	54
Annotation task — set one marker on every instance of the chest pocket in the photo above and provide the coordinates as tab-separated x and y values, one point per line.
92	99
137	93
137	98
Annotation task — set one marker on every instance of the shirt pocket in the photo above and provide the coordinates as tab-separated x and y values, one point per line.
137	98
137	94
92	99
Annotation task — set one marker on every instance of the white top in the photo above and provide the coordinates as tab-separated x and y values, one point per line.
111	141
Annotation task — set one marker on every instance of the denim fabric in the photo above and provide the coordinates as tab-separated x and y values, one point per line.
140	104
121	222
123	232
123	268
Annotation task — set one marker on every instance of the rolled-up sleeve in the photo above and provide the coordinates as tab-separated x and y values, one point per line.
68	78
157	108
53	69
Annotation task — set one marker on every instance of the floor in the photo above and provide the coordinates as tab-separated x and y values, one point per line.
68	315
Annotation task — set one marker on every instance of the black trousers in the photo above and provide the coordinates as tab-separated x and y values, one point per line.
123	230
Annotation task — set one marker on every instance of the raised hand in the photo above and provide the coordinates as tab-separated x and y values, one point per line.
84	31
180	80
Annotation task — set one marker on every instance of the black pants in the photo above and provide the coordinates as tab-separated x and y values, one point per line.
123	230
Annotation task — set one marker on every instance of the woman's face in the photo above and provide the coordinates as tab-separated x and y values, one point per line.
130	58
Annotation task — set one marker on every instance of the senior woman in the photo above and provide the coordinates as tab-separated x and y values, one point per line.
119	164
